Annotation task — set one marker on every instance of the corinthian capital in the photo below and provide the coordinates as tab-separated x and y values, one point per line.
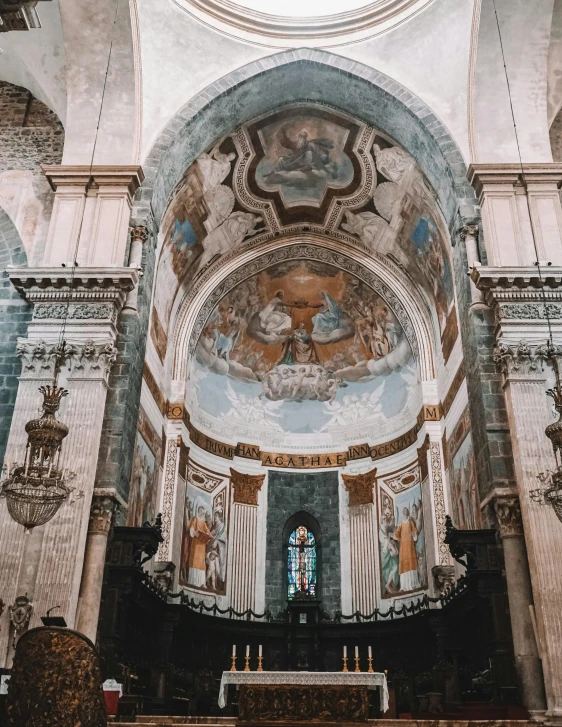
87	360
520	359
139	233
508	514
101	514
246	487
469	231
360	487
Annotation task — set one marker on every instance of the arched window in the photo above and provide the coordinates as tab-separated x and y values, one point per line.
301	563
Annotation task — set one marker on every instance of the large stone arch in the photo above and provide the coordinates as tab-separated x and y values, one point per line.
15	315
306	75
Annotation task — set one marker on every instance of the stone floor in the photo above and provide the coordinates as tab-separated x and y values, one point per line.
149	721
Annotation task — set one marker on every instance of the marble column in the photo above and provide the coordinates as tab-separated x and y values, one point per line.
527	661
360	488
243	538
469	235
528	416
139	235
99	524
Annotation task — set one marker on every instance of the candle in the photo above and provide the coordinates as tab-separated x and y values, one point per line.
356	652
247	649
259	652
233	649
345	652
370	653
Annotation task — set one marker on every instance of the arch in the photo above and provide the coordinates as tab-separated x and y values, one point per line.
189	309
14	318
306	75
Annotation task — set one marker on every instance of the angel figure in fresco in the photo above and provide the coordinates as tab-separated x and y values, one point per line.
214	167
308	157
228	235
407	534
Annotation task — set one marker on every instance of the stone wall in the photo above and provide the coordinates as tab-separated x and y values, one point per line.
317	494
117	446
30	135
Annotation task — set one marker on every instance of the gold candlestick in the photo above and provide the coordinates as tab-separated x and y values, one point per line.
233	665
247	667
370	660
357	664
345	664
260	659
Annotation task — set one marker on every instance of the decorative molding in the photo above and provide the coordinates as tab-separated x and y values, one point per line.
102	510
154	388
528	311
360	487
508	513
174	411
246	487
172	449
200	477
484	175
81	311
89	360
59	278
102	175
453	389
439	501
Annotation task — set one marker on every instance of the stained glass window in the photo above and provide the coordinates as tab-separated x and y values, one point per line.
301	563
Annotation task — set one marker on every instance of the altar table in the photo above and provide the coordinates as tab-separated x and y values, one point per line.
271	696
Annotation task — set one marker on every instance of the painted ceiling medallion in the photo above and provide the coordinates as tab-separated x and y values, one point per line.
328	22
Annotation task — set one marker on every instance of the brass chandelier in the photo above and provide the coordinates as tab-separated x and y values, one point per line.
36	489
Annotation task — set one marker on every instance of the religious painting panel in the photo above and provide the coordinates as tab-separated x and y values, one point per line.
204	543
403	560
145	477
464	487
303	347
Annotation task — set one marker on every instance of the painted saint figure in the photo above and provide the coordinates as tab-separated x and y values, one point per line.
200	534
407	534
307	155
274	317
216	552
328	319
299	348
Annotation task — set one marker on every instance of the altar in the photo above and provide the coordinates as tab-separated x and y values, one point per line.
276	697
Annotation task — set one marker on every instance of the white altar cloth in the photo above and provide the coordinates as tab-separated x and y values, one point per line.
372	680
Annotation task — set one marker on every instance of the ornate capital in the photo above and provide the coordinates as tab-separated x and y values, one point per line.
360	487
443	578
101	514
520	359
246	487
139	233
508	514
469	231
89	360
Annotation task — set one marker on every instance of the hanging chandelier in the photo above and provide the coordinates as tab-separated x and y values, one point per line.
550	490
36	489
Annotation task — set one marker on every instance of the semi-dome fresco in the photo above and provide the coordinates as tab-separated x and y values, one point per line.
303	347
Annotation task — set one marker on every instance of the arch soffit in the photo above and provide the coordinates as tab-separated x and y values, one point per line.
190	312
12	250
306	75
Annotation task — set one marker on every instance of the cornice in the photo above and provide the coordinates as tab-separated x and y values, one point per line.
106	175
482	175
27	279
495	279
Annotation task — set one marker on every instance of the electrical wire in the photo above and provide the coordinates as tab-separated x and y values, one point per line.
61	346
524	181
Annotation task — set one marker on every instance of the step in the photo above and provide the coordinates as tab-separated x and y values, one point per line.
207	721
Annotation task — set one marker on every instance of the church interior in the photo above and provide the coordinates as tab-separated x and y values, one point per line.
280	363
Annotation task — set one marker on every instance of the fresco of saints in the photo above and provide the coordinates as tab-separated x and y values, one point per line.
299	348
389	552
407	534
200	535
216	553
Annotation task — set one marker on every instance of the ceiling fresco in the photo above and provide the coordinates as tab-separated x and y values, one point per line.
303	168
303	348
